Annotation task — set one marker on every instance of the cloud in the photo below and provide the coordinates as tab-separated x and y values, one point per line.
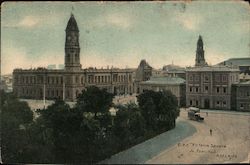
189	21
32	21
214	57
118	20
17	58
13	58
29	21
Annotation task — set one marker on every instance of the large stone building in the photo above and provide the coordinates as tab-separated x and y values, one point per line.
209	86
174	84
67	83
241	96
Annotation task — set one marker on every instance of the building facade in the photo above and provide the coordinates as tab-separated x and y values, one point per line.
68	83
241	96
209	87
174	84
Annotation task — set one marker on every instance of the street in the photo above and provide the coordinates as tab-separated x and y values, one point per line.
229	142
191	142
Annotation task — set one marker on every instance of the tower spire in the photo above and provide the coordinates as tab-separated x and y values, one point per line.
72	47
72	9
200	59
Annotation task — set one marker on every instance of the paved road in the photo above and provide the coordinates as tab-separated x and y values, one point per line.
150	148
229	142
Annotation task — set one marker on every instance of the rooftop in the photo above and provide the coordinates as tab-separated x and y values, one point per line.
236	61
245	83
164	80
213	69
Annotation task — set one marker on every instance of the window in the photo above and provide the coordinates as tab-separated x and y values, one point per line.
197	89
224	78
217	78
190	77
206	78
190	102
76	79
196	102
218	89
196	78
224	103
241	106
224	89
218	103
190	89
206	88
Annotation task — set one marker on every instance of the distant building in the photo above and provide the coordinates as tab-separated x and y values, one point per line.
209	87
244	77
68	83
242	63
241	96
3	85
51	66
143	73
6	83
174	71
174	84
61	66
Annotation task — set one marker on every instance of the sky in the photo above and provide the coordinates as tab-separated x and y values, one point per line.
120	34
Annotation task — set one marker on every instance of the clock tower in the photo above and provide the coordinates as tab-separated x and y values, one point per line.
72	48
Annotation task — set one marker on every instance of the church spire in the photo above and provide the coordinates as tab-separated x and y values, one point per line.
200	59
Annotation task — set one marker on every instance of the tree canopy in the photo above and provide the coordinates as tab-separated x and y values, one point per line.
160	109
94	100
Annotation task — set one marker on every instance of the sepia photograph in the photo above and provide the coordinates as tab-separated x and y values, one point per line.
129	82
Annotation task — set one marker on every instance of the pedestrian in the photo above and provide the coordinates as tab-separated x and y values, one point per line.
206	113
211	132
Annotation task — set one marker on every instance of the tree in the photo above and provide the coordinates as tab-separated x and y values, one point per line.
59	128
16	117
160	109
129	125
94	100
72	135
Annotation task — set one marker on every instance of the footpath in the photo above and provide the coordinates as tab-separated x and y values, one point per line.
144	151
